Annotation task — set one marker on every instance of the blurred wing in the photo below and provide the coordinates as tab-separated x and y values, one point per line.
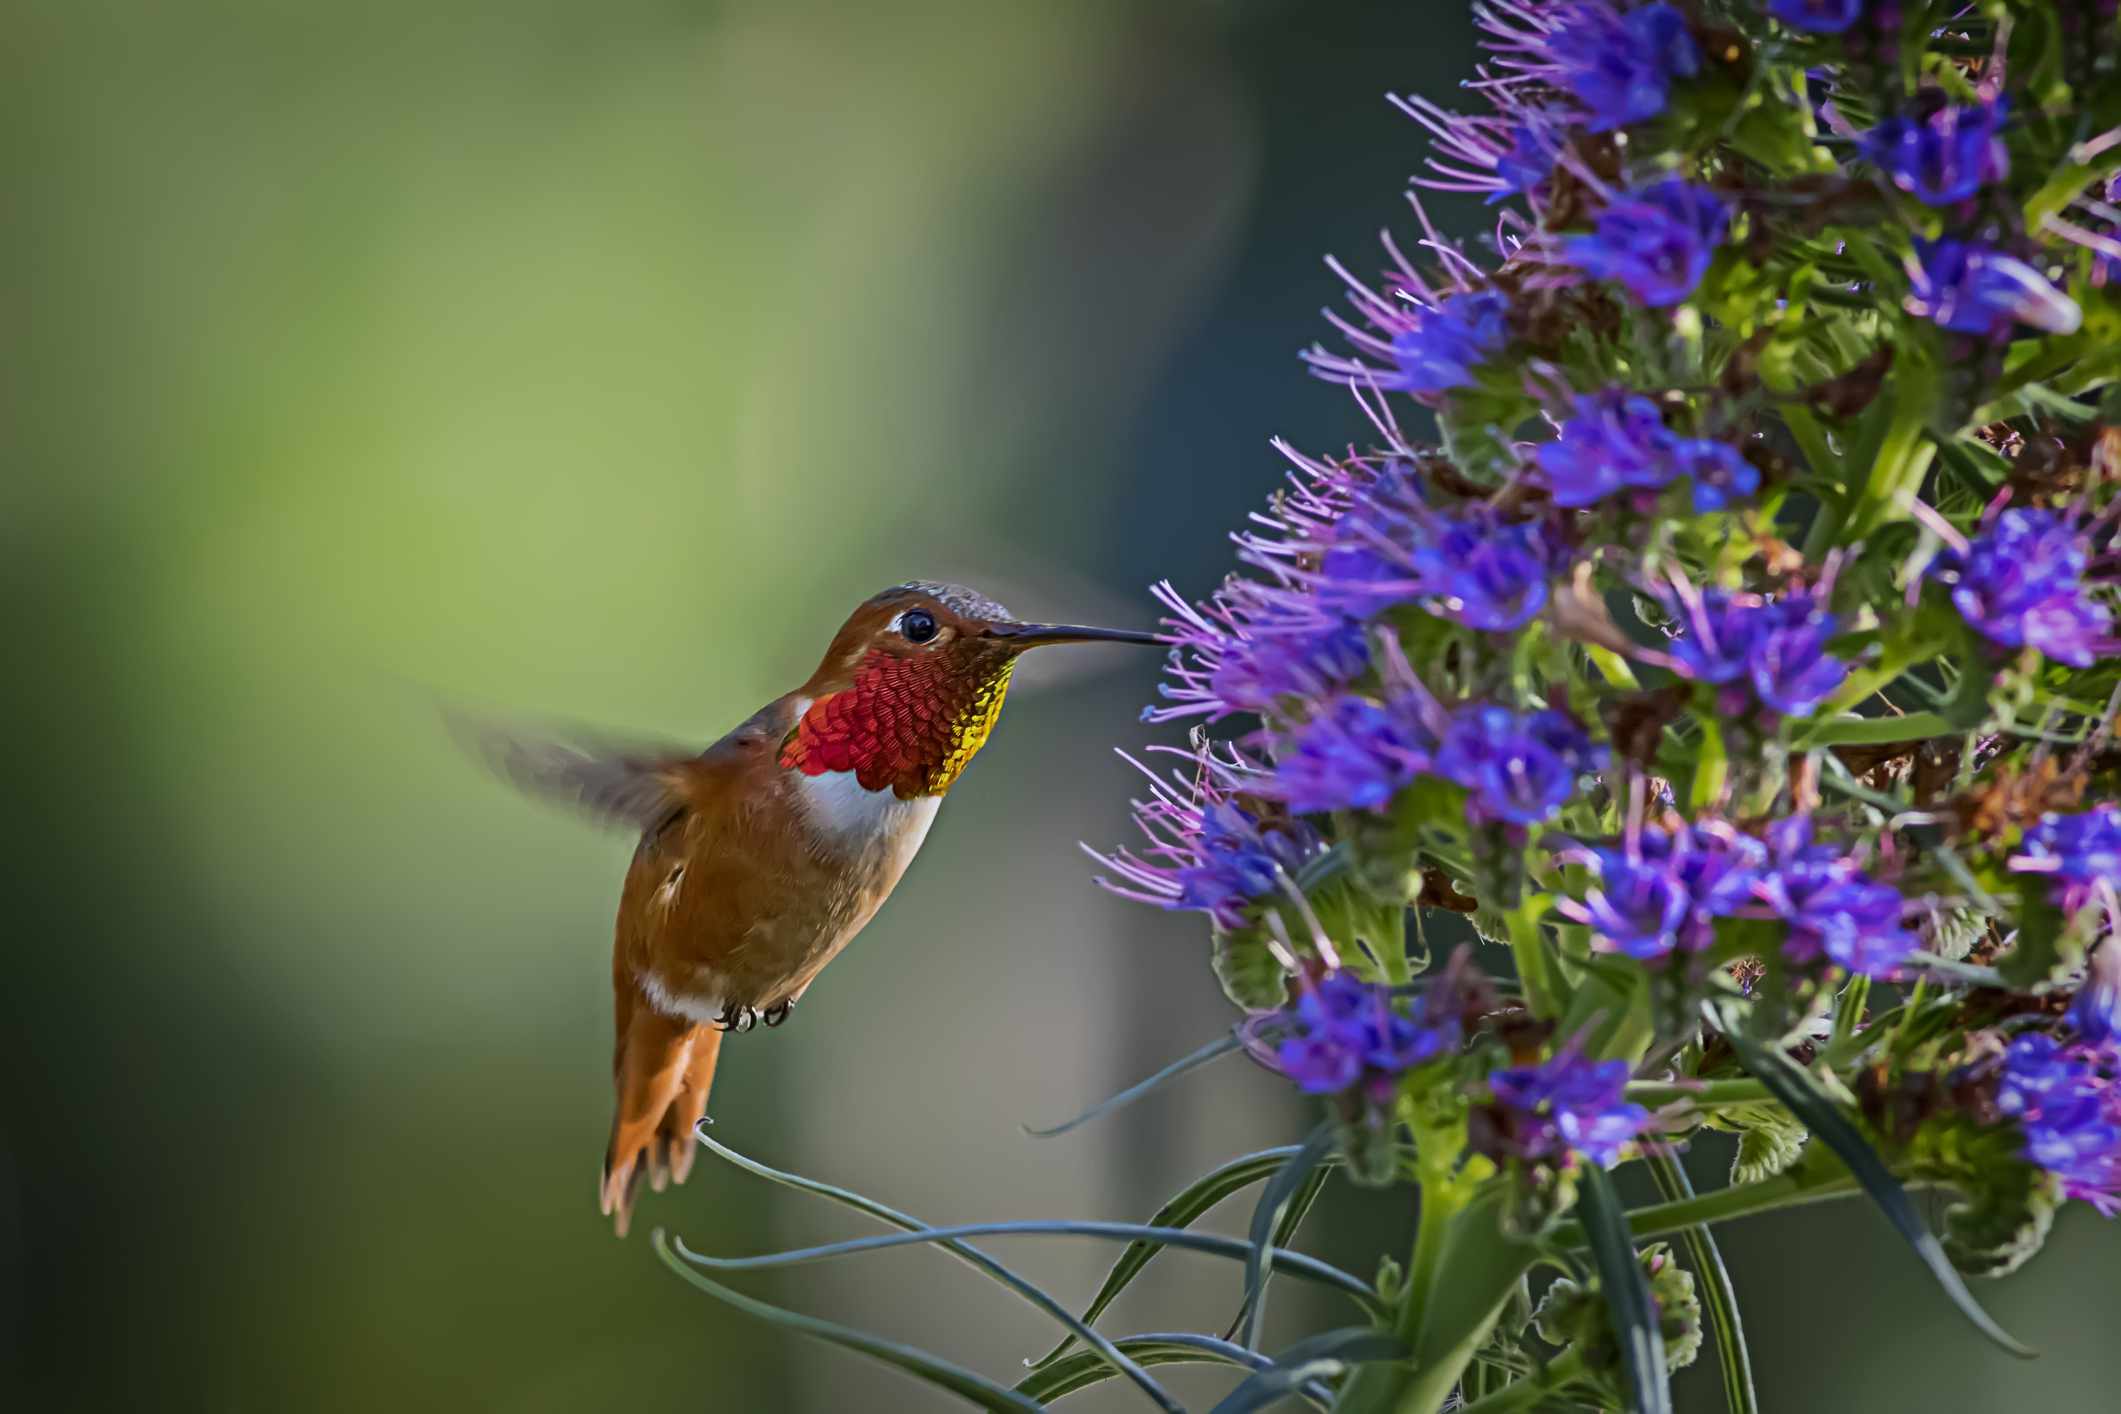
634	784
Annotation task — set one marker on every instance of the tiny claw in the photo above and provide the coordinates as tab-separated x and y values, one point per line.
778	1012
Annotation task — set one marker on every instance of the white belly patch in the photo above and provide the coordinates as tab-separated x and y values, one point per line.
850	817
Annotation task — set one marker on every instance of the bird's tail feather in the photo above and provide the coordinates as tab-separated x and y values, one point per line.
664	1071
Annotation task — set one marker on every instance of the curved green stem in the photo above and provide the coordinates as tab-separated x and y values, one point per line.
1529	1392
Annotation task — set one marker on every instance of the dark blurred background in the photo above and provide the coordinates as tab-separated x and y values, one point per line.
591	360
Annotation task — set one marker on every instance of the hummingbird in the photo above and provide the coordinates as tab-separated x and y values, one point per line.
763	856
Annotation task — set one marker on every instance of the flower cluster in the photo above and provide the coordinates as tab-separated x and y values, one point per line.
1567	1106
1344	1033
1747	635
2067	1102
2021	584
1616	441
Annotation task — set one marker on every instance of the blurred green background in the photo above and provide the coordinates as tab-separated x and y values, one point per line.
591	360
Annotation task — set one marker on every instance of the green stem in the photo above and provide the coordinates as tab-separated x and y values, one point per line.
1535	967
1788	1189
1565	1369
1875	731
1702	1094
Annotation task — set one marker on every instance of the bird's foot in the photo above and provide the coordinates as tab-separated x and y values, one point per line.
778	1012
737	1018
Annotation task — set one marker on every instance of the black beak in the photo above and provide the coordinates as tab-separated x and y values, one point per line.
1038	635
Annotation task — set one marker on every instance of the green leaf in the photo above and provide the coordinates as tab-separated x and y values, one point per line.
1292	1219
1182	1209
1627	1295
1769	1139
1214	1050
974	1389
1321	1357
1278	1259
1276	1198
979	1261
1824	1118
1083	1369
1719	1297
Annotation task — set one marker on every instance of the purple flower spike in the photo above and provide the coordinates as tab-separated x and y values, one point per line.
1354	754
2021	585
1567	1106
1818	16
1971	288
1621	67
1441	351
1521	767
1657	241
1946	157
1487	574
1834	911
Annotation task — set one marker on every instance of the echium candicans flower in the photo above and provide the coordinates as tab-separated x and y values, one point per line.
1250	647
2068	1106
1777	648
1352	753
2020	583
1972	288
1663	889
2080	852
1833	909
1343	1030
1521	767
1206	849
2095	1012
1618	441
1945	156
1566	1106
1818	16
1390	548
1509	154
1620	67
1421	343
1656	241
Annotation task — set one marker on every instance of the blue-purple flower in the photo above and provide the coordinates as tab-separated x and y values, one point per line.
1525	165
2069	1109
1614	442
1945	156
2095	1012
1343	1029
1352	754
1205	850
1777	647
1251	647
2020	583
1832	909
1520	766
1621	67
1566	1106
1720	473
2080	852
1665	889
1657	241
1818	16
1971	288
1476	568
1441	350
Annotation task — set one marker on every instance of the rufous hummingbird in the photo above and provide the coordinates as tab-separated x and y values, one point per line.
762	856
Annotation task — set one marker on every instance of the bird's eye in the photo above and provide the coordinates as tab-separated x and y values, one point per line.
917	624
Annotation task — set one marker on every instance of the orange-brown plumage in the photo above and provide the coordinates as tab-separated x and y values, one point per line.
763	856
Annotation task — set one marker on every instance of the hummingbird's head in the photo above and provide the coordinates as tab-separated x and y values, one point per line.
913	683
